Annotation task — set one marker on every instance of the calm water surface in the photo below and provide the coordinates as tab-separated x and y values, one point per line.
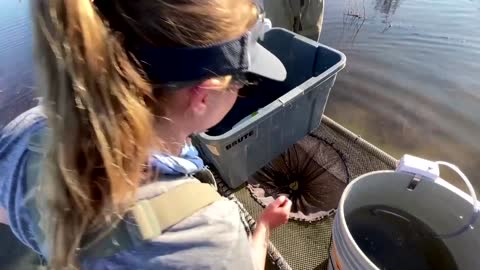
15	59
412	82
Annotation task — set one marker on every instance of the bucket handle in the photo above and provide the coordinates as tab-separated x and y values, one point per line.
473	195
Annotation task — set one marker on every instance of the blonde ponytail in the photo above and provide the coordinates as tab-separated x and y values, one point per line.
100	126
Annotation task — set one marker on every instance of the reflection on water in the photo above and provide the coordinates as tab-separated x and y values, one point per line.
352	23
411	84
387	7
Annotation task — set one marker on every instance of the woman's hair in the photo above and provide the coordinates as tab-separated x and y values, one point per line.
99	103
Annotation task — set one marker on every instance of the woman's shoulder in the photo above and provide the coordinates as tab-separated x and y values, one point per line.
30	120
212	238
222	217
17	139
21	134
16	148
16	143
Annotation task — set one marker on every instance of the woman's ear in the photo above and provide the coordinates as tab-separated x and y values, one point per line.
198	100
200	92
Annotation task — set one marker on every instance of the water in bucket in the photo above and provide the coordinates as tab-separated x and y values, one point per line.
393	239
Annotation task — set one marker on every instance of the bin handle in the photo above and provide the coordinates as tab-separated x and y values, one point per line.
473	195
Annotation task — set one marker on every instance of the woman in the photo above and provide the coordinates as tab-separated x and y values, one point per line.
124	83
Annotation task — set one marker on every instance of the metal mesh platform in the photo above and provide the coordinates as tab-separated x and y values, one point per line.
300	245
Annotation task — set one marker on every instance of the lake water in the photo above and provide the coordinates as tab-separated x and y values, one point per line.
15	59
412	81
411	85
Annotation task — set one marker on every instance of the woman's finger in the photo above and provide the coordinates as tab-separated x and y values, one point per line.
280	201
287	205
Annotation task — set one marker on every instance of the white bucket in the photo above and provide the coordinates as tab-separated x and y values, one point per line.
441	206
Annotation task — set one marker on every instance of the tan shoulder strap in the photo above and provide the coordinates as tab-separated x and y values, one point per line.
158	214
152	217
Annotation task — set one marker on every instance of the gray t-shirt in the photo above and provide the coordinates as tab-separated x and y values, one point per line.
212	238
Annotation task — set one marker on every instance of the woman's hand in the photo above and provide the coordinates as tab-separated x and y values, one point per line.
276	213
